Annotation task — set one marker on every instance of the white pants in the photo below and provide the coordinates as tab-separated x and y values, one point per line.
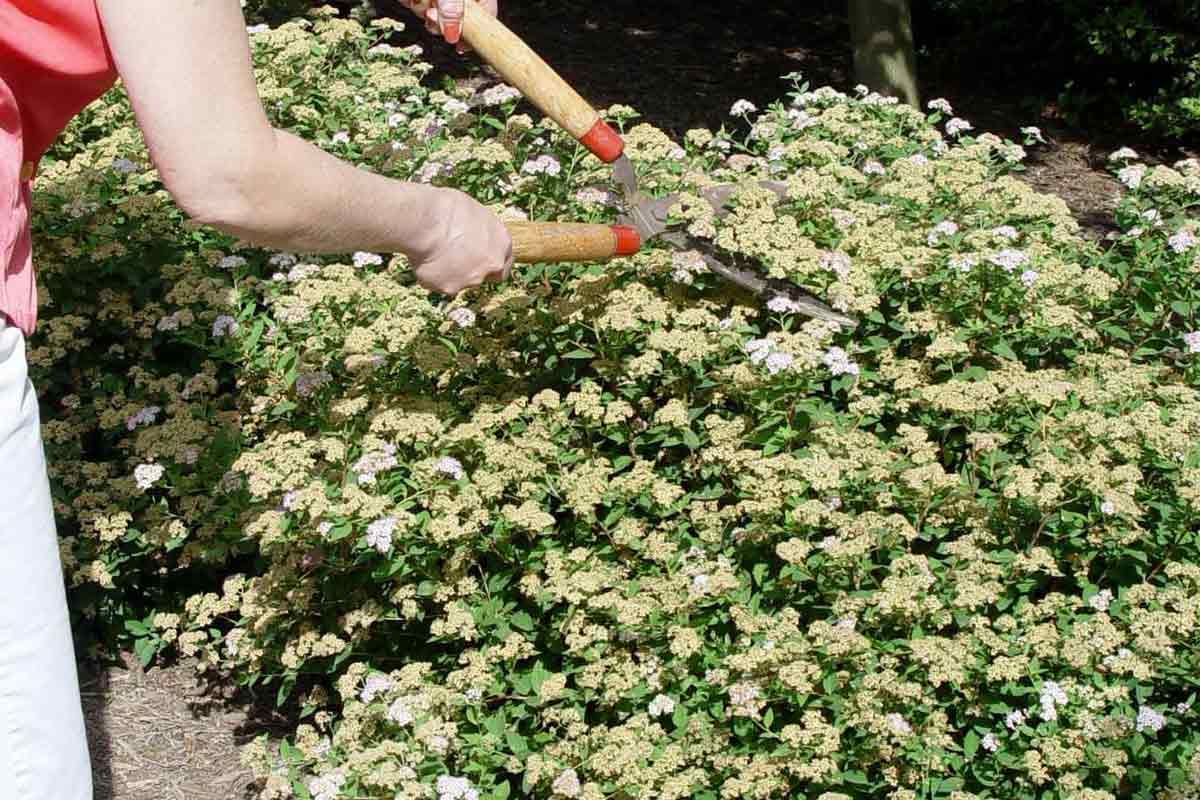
43	747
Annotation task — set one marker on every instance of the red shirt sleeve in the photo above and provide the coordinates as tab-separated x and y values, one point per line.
55	60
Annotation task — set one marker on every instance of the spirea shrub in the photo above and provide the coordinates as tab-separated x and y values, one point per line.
616	530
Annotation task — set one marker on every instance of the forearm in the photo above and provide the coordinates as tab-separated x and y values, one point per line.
297	197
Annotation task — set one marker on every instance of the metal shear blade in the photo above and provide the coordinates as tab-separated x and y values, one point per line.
651	215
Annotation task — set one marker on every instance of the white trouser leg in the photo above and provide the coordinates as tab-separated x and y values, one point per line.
43	747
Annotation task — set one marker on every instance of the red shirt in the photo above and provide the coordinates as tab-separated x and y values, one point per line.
53	61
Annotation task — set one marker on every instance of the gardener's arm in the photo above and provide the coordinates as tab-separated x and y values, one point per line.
186	66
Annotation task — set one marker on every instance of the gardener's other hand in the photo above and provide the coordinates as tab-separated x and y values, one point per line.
467	245
445	17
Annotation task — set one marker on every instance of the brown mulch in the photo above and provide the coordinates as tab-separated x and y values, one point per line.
163	734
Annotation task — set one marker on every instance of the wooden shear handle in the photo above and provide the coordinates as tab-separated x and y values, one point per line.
524	69
549	242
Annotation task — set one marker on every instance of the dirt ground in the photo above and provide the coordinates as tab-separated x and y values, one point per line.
164	735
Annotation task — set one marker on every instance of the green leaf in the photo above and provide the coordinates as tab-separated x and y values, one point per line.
516	743
970	744
679	716
1002	348
502	791
855	776
145	649
579	353
137	628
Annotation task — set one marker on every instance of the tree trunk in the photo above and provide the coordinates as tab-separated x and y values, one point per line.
884	60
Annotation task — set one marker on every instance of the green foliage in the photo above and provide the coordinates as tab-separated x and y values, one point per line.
615	530
1099	59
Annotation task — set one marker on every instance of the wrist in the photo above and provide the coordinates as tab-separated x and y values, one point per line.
419	230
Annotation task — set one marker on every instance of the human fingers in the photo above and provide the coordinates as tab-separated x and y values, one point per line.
450	17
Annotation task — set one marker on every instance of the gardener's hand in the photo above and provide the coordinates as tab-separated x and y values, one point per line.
466	245
445	17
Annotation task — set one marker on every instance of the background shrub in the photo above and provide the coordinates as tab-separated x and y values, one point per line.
1097	59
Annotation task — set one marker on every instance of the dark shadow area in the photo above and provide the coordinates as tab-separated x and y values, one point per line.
683	64
94	690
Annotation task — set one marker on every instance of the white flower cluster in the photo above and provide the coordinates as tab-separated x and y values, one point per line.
450	787
1132	176
371	463
362	259
837	262
1182	241
326	786
400	711
498	95
687	264
782	304
566	784
660	705
146	475
542	165
943	230
961	263
1150	720
839	362
172	321
379	534
1100	600
741	108
958	126
462	316
899	725
223	325
1034	132
1051	697
145	416
1009	260
767	353
594	196
448	465
373	686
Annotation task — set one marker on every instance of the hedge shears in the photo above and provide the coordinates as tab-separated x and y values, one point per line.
642	218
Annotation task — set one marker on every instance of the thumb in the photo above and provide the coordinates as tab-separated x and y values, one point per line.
450	16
